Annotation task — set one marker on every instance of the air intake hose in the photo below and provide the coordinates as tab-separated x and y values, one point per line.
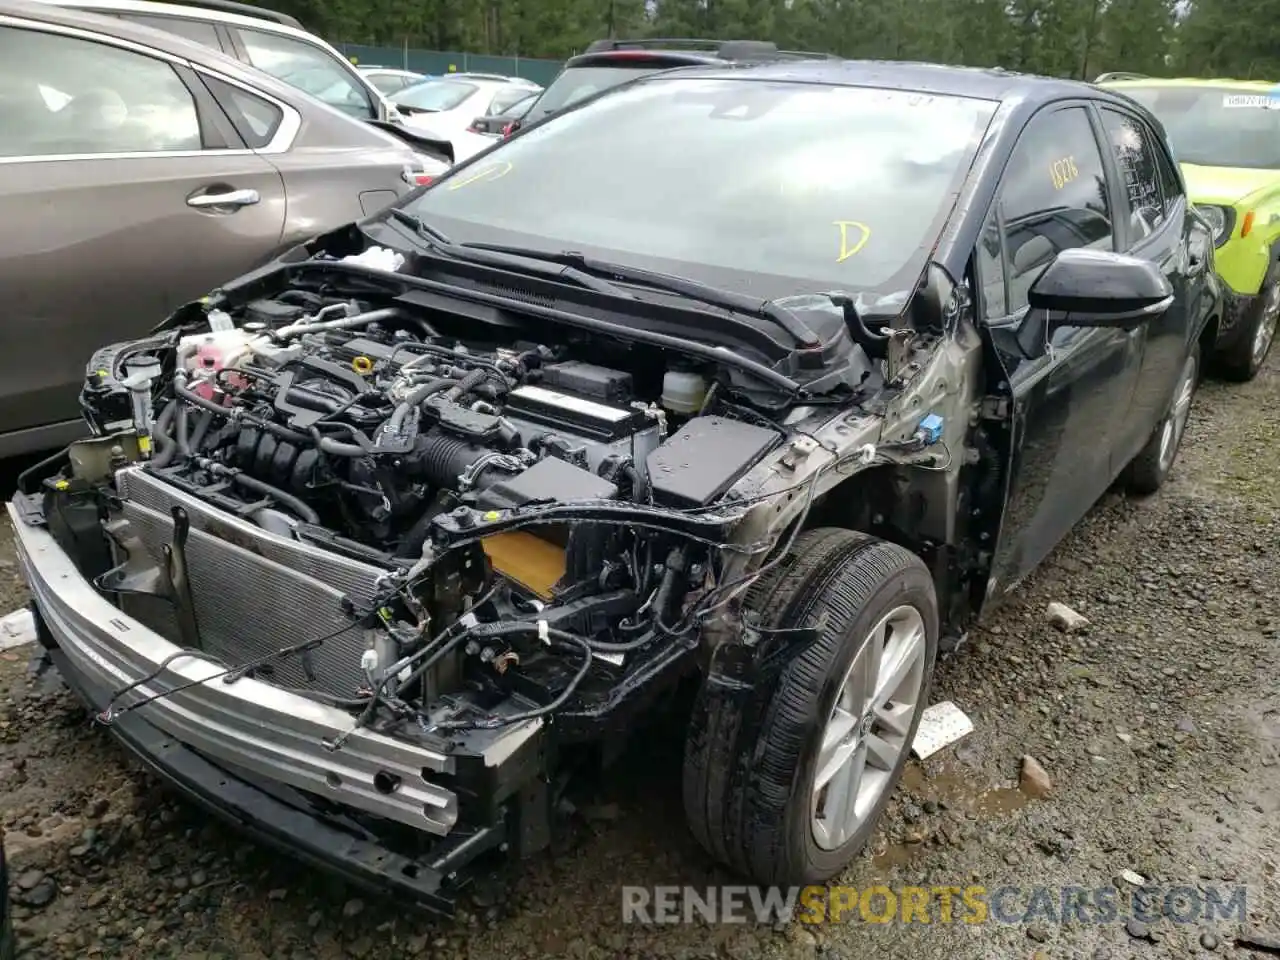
441	459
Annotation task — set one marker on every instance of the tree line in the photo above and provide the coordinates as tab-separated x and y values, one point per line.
1068	38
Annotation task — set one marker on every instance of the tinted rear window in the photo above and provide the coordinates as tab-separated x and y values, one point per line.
197	30
578	83
435	94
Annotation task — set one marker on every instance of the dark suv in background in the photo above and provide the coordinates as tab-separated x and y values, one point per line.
608	63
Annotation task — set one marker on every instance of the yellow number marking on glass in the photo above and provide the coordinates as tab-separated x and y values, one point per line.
863	233
1063	172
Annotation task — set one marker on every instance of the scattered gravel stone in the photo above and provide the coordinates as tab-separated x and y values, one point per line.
1039	932
1137	929
1034	780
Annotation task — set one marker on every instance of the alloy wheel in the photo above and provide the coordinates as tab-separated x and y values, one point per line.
866	733
1267	323
1176	422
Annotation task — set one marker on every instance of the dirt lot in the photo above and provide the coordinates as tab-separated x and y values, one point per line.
1159	726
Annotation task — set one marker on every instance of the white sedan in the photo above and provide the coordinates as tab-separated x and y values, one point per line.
443	108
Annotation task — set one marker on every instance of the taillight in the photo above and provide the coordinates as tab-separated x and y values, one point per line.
415	177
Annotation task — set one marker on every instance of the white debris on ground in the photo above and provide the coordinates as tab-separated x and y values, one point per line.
17	629
1065	619
940	726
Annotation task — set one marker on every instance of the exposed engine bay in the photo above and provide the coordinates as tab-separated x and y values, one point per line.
395	490
484	541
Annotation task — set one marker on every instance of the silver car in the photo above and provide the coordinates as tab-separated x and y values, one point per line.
137	171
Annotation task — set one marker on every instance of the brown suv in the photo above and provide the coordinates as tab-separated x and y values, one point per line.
138	170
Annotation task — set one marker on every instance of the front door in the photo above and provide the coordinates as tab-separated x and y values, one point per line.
121	200
1070	388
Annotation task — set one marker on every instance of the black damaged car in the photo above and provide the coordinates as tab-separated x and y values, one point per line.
796	372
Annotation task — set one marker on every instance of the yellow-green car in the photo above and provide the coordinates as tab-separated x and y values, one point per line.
1225	134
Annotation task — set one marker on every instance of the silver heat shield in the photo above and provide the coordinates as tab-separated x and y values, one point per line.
253	591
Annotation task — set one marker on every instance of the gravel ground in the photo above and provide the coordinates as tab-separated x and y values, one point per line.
1159	725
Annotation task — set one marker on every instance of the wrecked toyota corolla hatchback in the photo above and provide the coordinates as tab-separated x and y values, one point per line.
734	382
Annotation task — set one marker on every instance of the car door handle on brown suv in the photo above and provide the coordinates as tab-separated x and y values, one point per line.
228	198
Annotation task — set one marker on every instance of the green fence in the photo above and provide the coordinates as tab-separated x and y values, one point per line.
439	62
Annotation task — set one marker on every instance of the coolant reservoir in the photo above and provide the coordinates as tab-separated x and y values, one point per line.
202	355
683	392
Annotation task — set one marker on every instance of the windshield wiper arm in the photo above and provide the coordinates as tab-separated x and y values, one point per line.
501	257
680	286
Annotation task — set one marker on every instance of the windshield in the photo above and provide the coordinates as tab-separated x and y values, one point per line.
578	83
435	94
767	188
1216	126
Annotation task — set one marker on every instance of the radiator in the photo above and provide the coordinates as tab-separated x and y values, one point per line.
253	591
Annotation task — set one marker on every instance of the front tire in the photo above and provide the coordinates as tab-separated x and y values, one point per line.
1150	468
785	785
1244	359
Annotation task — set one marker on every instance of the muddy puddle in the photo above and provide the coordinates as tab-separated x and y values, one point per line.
954	789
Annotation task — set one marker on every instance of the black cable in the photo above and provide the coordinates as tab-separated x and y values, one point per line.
227	675
494	722
703	605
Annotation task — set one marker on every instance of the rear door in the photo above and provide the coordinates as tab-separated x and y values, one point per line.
1071	390
1156	226
124	192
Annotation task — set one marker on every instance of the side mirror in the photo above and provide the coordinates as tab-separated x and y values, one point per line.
1098	288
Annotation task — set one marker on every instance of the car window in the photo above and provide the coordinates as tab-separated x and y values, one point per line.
435	95
520	109
1170	181
255	119
309	68
198	30
1053	197
388	83
578	83
503	100
989	263
737	184
66	95
1131	144
1215	126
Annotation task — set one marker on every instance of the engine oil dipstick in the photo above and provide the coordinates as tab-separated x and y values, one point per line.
362	365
